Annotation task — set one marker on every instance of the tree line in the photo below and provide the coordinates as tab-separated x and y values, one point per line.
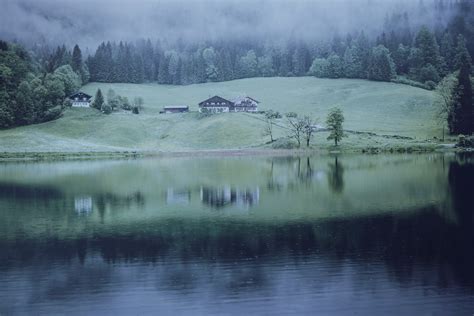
31	92
415	56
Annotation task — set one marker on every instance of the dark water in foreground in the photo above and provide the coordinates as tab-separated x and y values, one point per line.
256	235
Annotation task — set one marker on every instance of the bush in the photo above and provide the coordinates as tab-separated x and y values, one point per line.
106	108
205	113
465	141
404	80
431	85
284	143
428	73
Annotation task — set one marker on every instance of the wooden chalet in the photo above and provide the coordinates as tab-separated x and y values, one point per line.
80	99
216	104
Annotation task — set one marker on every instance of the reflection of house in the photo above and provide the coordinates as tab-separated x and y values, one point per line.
83	204
246	197
175	109
177	196
218	104
80	99
217	197
226	195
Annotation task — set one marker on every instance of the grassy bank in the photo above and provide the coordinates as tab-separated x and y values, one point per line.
384	116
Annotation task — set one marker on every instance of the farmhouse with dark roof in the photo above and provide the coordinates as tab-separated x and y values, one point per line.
217	104
80	99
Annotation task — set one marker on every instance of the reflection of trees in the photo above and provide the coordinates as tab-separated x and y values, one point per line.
104	201
461	183
336	176
273	185
305	174
402	242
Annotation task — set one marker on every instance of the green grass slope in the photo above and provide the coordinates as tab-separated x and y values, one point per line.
382	108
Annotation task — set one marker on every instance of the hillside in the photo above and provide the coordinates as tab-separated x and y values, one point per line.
381	108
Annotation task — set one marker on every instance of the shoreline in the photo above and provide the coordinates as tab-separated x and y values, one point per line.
136	154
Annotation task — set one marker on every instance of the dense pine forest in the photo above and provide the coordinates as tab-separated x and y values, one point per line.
35	83
400	52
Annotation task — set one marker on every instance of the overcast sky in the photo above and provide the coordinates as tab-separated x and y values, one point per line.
89	22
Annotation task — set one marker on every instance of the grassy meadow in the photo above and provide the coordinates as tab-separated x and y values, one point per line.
375	107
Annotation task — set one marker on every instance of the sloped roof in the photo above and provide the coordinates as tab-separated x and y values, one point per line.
79	95
215	99
176	107
241	99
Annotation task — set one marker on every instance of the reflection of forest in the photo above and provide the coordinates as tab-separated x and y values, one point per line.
434	240
401	242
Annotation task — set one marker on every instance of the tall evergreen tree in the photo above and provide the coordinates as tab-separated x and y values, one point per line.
76	62
461	116
428	49
98	100
381	67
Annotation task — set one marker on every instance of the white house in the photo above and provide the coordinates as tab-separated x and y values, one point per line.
245	104
80	99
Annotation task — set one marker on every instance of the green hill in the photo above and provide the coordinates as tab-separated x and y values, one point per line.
377	107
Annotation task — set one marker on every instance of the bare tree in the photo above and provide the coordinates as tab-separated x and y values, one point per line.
444	100
309	129
296	128
270	118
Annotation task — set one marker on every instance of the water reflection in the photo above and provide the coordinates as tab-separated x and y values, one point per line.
336	176
180	196
382	235
83	204
219	197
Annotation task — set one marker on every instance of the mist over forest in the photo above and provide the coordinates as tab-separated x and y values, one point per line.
89	22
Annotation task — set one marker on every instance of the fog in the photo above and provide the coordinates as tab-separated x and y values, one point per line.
89	22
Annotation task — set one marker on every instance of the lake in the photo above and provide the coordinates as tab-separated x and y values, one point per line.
349	234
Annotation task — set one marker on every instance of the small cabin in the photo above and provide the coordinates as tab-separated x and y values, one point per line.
175	109
245	104
80	99
216	104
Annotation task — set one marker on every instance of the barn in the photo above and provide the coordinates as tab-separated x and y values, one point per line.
175	109
216	104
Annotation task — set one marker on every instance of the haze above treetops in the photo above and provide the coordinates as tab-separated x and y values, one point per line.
89	22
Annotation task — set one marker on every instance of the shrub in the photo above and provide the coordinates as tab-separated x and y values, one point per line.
284	143
106	108
205	113
465	141
431	85
404	80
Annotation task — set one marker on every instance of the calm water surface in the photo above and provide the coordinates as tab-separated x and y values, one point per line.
367	235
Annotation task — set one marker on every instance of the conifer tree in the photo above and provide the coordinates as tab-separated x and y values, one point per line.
461	116
98	100
381	67
334	124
